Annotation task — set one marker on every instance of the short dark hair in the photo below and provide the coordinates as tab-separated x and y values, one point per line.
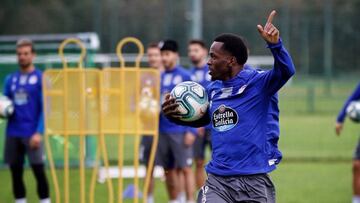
169	45
199	42
25	43
235	45
153	45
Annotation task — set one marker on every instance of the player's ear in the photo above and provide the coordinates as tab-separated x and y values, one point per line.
233	61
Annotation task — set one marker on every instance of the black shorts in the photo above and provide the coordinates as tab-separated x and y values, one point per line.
172	152
248	188
145	149
357	151
200	145
17	147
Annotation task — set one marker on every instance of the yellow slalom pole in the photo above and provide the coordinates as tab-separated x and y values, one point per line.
65	113
155	134
102	142
138	124
93	176
121	136
137	136
73	41
82	137
47	144
66	140
121	45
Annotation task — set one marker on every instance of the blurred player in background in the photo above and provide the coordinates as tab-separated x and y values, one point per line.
25	126
154	56
197	53
175	141
154	61
355	96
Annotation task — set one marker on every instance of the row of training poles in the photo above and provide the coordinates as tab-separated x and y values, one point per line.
82	102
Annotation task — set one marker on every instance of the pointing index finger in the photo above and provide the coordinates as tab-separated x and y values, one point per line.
271	16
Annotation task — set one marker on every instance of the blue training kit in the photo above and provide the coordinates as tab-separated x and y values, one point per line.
25	91
239	117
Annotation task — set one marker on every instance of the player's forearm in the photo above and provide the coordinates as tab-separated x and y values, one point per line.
40	126
284	68
204	121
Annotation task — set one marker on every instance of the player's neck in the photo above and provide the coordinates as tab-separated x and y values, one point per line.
234	72
200	64
27	69
171	67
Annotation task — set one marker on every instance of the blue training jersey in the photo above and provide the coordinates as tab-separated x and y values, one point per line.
169	79
239	117
353	97
273	130
201	75
25	91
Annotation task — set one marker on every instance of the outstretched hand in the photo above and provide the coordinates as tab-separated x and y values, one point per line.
269	32
338	128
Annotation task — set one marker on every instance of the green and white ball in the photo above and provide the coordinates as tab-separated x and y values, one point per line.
353	111
192	99
6	107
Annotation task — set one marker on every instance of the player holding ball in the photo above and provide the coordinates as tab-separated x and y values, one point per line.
239	100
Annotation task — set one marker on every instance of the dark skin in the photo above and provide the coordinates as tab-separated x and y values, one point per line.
223	66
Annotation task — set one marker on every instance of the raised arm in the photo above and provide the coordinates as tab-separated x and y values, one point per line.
283	66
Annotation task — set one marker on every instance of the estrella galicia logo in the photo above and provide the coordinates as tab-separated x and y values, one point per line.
224	118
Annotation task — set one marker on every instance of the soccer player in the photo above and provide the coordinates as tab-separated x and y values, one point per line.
355	96
197	53
25	126
175	141
238	114
154	60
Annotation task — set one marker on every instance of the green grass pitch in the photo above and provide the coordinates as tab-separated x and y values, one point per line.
316	166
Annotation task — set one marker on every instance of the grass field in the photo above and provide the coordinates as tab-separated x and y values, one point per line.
317	163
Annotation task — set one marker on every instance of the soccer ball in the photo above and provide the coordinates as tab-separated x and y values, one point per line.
6	107
353	111
192	99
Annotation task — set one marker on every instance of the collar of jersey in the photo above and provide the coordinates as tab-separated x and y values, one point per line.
241	77
173	70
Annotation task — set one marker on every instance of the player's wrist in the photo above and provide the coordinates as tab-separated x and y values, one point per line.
274	45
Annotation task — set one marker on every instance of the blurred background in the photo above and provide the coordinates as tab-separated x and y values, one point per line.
323	37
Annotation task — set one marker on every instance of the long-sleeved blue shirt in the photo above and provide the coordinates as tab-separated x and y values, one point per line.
169	79
201	75
239	117
353	97
25	91
273	130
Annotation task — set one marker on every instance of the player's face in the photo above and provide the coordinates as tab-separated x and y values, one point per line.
169	58
25	56
196	53
219	62
154	57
